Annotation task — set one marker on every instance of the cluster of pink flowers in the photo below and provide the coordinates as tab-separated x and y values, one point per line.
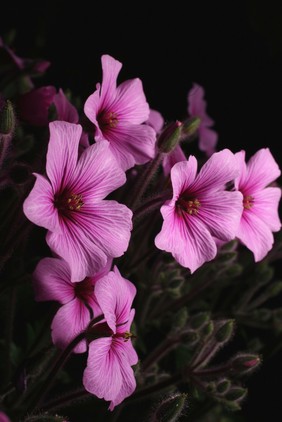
226	199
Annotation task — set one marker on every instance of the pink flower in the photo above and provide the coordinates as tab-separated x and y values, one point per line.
3	416
108	373
52	281
197	108
65	110
155	120
200	209
117	113
260	203
83	228
34	106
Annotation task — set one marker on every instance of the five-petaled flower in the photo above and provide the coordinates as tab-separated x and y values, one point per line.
83	227
118	114
260	203
109	374
200	209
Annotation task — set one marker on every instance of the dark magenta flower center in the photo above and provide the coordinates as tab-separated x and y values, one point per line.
84	289
107	120
69	202
188	205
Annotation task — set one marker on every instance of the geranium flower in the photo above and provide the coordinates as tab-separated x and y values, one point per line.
200	209
197	108
108	373
52	281
260	213
118	114
83	228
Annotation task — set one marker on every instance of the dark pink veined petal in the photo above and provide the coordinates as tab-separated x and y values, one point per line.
131	288
33	107
77	246
262	169
108	224
128	384
51	281
186	238
207	140
220	168
65	110
221	213
104	271
92	108
155	120
255	235
97	173
70	320
130	103
102	375
62	153
240	181
172	158
132	144
127	346
183	175
265	206
197	105
115	297
111	69
39	205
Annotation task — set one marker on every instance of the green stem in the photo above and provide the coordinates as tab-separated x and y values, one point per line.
159	352
68	398
151	205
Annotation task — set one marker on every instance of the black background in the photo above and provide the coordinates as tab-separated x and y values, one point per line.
234	52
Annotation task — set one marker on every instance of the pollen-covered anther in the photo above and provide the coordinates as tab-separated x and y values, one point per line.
190	206
74	202
108	119
248	202
126	335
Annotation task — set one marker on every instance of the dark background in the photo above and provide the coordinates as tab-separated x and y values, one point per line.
234	52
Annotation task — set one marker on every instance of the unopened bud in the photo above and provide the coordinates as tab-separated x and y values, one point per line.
180	318
225	332
245	363
170	137
207	330
223	386
199	320
170	409
7	119
190	338
236	394
190	126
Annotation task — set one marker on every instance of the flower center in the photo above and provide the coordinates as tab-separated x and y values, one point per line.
126	335
248	202
108	120
190	206
69	201
84	289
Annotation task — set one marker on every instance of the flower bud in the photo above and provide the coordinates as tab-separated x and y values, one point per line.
170	137
180	318
199	320
244	363
207	330
190	126
170	409
225	332
223	386
7	118
236	394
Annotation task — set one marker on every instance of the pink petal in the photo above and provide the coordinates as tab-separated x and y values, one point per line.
255	234
70	320
51	281
91	110
221	213
3	416
111	69
155	120
130	103
241	179
183	175
39	205
102	375
76	246
34	106
132	144
220	168
62	153
128	380
186	238
65	110
115	296
97	173
172	158
197	105
207	140
262	169
108	224
265	206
